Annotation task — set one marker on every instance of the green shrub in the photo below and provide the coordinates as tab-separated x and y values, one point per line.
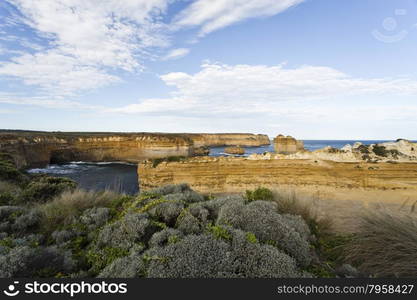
335	150
380	150
251	238
8	170
45	188
9	193
260	193
157	161
101	258
219	232
6	198
167	232
364	149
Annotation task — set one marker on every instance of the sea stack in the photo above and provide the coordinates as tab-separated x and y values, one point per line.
287	144
237	150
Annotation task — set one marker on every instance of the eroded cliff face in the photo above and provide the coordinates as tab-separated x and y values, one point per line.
229	139
220	175
32	149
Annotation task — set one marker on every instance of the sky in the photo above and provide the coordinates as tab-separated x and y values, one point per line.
313	69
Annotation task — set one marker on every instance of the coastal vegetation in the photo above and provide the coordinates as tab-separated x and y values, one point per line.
157	161
49	228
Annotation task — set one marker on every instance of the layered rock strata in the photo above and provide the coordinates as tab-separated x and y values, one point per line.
229	139
287	145
234	150
32	149
232	174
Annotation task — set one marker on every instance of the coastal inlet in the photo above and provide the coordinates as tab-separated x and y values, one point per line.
123	178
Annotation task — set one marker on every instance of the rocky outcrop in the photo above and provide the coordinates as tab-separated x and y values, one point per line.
233	174
287	145
201	151
32	149
229	139
393	152
234	150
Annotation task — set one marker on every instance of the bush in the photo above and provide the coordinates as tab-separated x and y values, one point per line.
45	188
380	150
35	262
260	218
100	258
133	228
195	256
125	267
259	194
386	244
167	212
157	161
169	189
165	237
27	222
263	261
9	193
205	256
168	232
188	224
8	170
364	149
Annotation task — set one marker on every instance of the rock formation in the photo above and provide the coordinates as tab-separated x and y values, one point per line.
201	151
32	149
229	139
385	166
234	150
235	174
287	145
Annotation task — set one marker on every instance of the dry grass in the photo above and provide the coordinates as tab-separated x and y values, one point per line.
386	244
289	203
72	203
7	187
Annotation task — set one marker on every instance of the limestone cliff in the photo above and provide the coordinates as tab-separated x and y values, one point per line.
229	139
232	174
31	149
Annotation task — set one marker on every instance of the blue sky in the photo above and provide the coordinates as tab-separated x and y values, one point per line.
315	69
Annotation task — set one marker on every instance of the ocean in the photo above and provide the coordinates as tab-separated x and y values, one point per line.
123	178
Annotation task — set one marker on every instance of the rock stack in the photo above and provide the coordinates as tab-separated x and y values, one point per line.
287	144
237	150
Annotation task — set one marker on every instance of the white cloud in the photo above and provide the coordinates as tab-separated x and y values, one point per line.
86	41
85	44
176	53
248	89
109	34
55	73
45	102
212	15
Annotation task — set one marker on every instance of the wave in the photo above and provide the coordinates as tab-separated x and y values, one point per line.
102	163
